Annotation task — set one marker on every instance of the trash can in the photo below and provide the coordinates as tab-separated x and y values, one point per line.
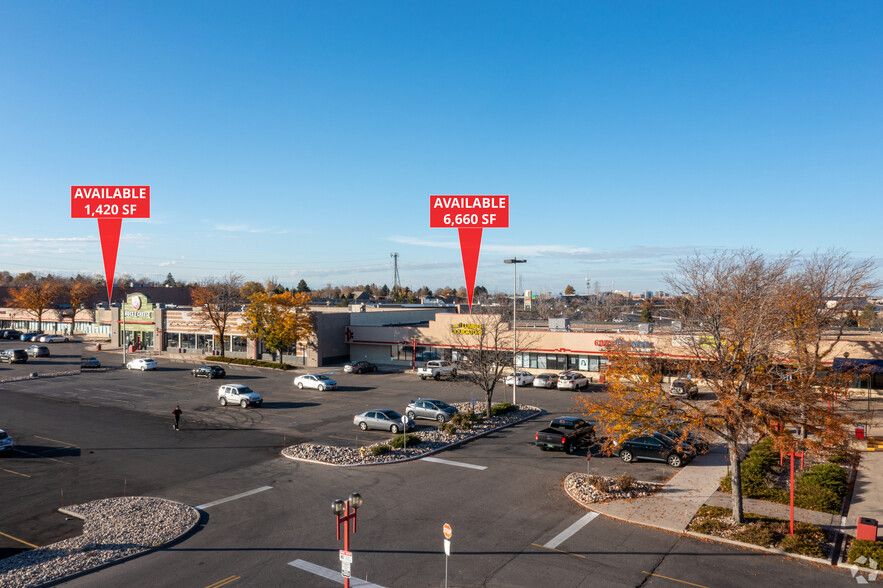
866	530
602	379
98	347
860	433
131	348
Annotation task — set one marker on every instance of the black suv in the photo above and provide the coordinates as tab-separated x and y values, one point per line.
656	447
208	371
14	356
10	334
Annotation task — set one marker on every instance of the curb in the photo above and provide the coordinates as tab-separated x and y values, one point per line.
773	550
422	455
186	533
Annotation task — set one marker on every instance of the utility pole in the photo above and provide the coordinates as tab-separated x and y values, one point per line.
395	276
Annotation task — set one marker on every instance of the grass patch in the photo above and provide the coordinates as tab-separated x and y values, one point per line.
867	549
252	362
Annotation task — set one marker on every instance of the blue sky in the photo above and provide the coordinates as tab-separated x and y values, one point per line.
302	139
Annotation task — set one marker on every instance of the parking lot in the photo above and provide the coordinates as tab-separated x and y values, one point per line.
109	431
64	357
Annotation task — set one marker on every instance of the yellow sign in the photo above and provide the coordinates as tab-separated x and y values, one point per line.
466	329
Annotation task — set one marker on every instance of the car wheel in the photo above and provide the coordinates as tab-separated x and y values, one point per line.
440	418
422	377
300	385
374	369
243	403
394	429
411	415
321	388
437	376
675	461
626	456
143	368
454	373
568	448
223	401
363	425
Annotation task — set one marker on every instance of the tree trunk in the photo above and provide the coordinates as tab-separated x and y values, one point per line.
490	395
736	481
221	340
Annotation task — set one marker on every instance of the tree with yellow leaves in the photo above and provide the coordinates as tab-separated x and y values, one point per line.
281	321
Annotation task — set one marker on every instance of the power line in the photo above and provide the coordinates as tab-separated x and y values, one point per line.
395	278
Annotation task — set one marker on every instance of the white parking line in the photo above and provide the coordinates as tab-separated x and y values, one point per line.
235	497
455	463
333	575
571	530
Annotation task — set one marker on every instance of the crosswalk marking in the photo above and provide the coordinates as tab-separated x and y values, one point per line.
454	463
571	530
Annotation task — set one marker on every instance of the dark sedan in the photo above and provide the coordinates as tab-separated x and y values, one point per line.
657	448
208	371
89	362
360	367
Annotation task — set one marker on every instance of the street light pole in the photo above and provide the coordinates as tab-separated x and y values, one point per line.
514	263
342	510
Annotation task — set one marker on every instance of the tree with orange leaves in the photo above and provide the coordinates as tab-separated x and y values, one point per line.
215	301
737	311
36	297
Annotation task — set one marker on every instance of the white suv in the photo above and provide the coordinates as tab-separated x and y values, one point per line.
238	394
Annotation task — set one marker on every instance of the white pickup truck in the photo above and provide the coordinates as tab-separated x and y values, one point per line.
436	369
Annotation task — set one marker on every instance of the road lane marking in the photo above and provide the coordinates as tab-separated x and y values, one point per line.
333	575
559	550
57	441
234	497
571	530
224	582
19	540
40	456
16	473
454	463
674	579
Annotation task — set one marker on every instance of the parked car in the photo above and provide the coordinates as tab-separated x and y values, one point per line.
238	394
359	367
53	339
6	444
566	433
428	408
383	419
142	363
29	336
38	351
13	356
208	371
545	381
572	381
315	381
436	369
686	388
656	448
520	379
10	334
688	439
89	362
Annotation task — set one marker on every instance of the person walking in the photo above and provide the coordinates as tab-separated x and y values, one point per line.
177	413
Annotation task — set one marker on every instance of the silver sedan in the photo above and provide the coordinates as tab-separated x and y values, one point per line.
383	419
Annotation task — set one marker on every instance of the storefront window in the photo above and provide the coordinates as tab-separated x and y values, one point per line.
240	344
188	340
172	340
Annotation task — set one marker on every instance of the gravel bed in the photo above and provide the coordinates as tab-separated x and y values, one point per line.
575	486
113	528
430	441
28	376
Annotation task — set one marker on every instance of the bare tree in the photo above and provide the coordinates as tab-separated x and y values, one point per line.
484	344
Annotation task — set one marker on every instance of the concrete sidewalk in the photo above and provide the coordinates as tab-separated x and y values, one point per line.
867	497
673	507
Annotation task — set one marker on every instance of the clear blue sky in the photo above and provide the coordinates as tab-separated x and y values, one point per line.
302	139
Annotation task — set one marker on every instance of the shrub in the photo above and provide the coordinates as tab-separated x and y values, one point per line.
756	534
840	458
867	549
380	449
463	420
502	408
710	526
600	483
253	362
447	428
817	498
398	441
625	482
822	487
803	545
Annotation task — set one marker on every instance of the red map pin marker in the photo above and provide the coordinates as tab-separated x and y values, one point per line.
110	205
469	215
